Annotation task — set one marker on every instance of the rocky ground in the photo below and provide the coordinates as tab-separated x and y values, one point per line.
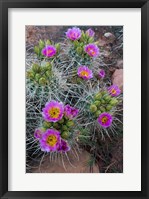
111	41
74	165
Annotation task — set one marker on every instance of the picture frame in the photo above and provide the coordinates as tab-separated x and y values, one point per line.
4	108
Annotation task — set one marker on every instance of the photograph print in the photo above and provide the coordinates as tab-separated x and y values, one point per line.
74	99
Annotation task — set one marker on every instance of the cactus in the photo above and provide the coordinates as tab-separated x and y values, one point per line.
68	105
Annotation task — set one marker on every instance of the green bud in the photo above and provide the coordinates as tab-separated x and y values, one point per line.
42	81
47	124
48	73
107	98
70	123
64	127
103	101
30	75
36	50
83	35
108	108
104	93
57	47
36	68
48	42
82	39
91	40
43	69
81	44
41	44
114	101
97	113
93	108
48	66
61	121
76	43
98	96
97	103
65	134
102	109
79	50
55	125
37	77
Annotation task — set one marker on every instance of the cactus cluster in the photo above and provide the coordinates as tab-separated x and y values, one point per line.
68	100
40	49
103	102
40	74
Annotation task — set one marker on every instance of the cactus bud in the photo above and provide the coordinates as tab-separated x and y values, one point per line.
91	40
102	109
36	68
42	81
93	108
97	113
81	44
70	123
37	77
97	103
30	74
114	102
98	96
107	98
55	125
41	44
65	134
76	43
48	42
36	50
103	101
48	73
47	124
64	127
104	93
83	36
57	47
48	66
61	121
108	108
79	50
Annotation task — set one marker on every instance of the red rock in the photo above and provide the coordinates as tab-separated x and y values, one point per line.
110	37
119	64
101	42
80	165
117	78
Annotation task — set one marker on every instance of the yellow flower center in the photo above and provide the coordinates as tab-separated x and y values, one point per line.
104	119
113	91
52	140
93	52
54	112
84	73
73	34
49	51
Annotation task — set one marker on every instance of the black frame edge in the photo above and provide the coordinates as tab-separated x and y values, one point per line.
4	193
144	97
74	3
4	100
